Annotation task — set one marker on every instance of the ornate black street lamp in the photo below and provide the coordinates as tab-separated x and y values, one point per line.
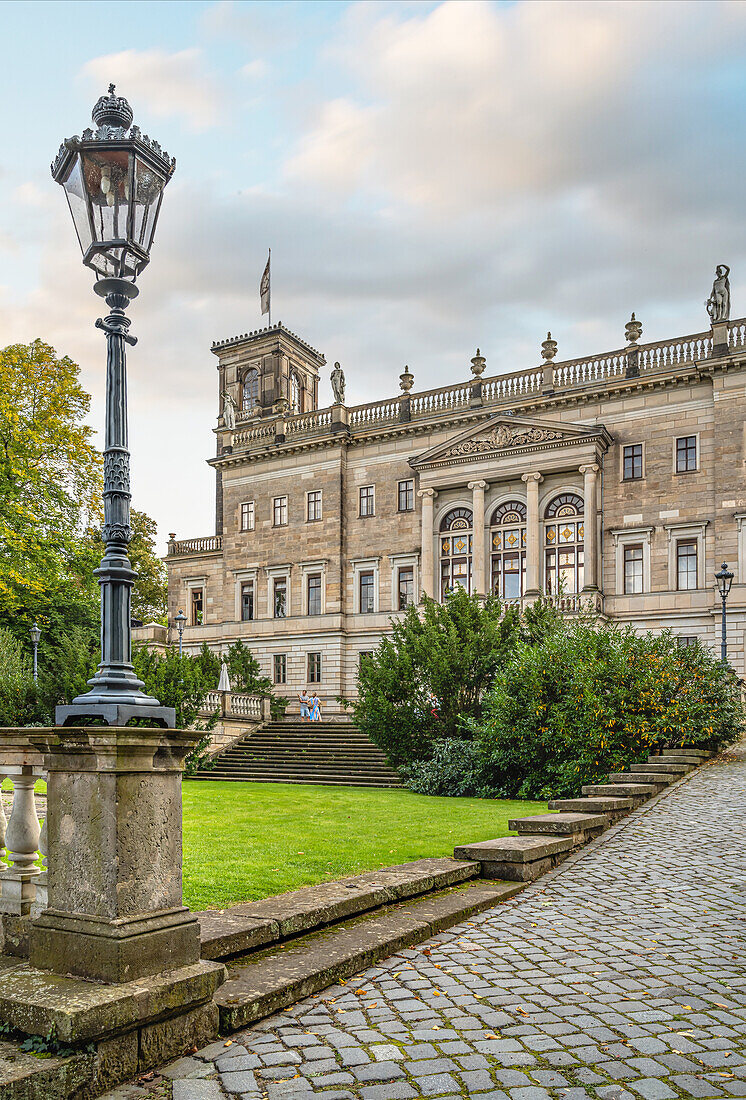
725	580
114	178
35	633
180	619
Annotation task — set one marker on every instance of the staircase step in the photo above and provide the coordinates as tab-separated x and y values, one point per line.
613	806
517	858
675	758
664	766
638	791
272	980
691	754
659	779
562	824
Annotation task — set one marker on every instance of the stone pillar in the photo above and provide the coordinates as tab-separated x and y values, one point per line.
427	580
533	541
589	473
477	553
340	419
114	841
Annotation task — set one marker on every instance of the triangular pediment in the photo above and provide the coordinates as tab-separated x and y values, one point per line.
503	433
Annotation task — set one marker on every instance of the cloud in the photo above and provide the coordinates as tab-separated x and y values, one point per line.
168	84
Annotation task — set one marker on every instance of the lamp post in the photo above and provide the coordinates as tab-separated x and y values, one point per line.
180	619
114	178
35	633
725	580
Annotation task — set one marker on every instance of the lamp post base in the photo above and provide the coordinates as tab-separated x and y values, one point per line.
114	714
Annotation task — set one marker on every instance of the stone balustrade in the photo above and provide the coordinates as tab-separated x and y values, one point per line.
208	545
231	704
23	881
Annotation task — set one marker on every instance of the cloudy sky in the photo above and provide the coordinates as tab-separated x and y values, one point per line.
429	176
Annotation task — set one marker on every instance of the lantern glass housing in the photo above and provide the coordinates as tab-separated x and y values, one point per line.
114	178
725	580
35	633
180	618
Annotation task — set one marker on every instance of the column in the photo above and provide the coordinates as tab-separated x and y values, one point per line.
589	473
426	556
477	551
533	541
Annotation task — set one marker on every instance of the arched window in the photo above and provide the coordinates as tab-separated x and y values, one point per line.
250	391
295	393
455	550
563	544
508	549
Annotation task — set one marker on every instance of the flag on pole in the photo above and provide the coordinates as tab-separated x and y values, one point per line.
264	287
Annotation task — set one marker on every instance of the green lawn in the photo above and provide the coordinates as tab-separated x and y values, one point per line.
249	840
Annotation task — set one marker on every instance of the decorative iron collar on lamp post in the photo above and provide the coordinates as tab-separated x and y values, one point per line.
114	179
724	580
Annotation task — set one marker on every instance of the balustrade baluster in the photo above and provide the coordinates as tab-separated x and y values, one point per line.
3	825
22	845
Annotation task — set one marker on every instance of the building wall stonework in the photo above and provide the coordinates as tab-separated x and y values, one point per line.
561	429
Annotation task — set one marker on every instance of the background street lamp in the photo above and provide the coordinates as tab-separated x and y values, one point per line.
35	633
180	619
725	580
114	179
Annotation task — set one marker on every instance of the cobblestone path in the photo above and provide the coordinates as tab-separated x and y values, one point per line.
622	975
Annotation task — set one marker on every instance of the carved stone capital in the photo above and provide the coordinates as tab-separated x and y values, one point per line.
427	493
589	468
477	485
532	477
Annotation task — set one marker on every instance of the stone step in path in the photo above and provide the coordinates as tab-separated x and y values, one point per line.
291	751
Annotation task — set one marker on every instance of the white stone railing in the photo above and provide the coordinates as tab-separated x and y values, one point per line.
670	353
251	435
377	412
196	546
504	387
23	884
308	422
231	704
594	368
737	333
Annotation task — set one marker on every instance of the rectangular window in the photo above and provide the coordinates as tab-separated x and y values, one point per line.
196	617
685	641
686	454
686	564
406	586
367	500
280	668
314	594
280	512
247	601
406	496
247	515
314	668
367	602
314	505
281	597
632	569
632	462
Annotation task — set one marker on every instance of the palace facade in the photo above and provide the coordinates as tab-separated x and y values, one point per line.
618	479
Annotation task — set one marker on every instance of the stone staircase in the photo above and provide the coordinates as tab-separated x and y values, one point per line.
544	840
291	751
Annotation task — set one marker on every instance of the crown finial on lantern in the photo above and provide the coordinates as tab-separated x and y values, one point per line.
112	110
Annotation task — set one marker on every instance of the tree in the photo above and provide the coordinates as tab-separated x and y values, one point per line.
16	682
431	673
244	671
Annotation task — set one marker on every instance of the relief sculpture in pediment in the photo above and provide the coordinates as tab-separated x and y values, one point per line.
504	436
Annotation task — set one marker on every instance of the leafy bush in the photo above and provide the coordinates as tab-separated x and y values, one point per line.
457	768
587	700
431	673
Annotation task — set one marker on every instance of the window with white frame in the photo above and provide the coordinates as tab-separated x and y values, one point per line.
633	569
313	593
314	668
367	500
280	668
280	597
313	505
405	587
686	641
247	601
280	512
197	607
686	454
632	462
686	564
247	515
367	582
632	551
406	496
250	390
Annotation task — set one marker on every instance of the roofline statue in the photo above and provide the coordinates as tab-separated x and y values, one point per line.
229	411
718	304
338	384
